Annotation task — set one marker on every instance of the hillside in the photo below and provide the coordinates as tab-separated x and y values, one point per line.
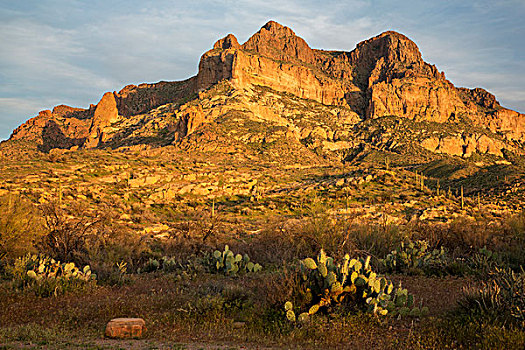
275	100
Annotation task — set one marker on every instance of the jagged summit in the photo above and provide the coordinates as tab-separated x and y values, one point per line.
276	27
390	46
382	77
279	42
228	42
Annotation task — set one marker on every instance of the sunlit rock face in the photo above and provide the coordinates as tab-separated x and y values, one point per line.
384	76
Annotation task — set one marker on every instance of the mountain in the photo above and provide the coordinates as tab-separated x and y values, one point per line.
270	130
276	97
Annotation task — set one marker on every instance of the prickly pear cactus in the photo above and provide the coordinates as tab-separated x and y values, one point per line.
415	255
349	282
230	264
46	276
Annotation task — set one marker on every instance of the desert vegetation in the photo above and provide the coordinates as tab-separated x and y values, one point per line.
305	278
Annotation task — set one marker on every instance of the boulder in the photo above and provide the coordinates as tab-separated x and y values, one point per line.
125	328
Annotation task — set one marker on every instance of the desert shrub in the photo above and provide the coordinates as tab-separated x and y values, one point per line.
351	284
237	298
377	240
46	277
67	237
461	331
116	275
164	264
484	261
21	225
151	265
276	244
415	257
113	245
337	236
96	240
512	245
217	298
465	240
501	298
459	237
516	224
316	230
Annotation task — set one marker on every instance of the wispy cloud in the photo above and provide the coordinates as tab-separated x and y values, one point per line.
13	105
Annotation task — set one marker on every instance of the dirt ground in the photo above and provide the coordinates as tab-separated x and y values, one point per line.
151	297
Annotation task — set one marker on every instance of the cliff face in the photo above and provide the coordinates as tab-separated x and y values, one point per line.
280	43
485	110
105	114
274	57
382	77
65	127
133	100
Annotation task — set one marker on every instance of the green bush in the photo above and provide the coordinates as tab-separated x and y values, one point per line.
350	283
165	264
46	277
484	261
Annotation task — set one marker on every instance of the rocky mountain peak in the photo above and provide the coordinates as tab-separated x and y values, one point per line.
277	28
228	42
105	114
390	45
390	54
279	42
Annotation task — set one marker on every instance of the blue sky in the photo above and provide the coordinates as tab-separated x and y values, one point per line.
71	51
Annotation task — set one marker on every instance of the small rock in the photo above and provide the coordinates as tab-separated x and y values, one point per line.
124	328
238	324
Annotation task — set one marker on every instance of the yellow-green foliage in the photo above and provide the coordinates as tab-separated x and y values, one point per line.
230	264
46	276
415	255
350	282
21	225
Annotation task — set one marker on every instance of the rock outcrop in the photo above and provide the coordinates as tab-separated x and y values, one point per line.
190	119
105	114
66	126
55	129
133	100
485	110
228	42
280	43
397	81
273	57
465	145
